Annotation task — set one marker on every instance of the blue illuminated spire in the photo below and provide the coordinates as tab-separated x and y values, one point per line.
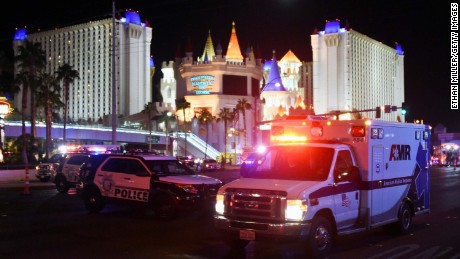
274	82
20	34
332	26
132	17
399	49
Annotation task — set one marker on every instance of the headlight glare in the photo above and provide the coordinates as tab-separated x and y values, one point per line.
295	209
220	204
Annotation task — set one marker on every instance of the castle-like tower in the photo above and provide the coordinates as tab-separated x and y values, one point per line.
87	48
353	71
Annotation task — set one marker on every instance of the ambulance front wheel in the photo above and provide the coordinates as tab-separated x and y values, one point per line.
320	239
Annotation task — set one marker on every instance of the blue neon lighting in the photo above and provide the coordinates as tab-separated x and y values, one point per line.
332	27
20	34
152	63
133	17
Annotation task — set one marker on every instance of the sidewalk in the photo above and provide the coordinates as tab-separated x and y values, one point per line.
16	175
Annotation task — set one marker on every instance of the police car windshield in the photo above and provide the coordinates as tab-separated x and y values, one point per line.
168	167
300	163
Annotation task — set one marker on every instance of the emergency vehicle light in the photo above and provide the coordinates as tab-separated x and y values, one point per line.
358	131
289	139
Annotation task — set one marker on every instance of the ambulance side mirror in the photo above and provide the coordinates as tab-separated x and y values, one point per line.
351	175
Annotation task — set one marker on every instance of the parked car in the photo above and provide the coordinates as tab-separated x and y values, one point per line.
47	171
208	164
186	160
160	183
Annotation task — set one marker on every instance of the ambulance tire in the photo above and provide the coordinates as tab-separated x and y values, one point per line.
61	184
404	222
93	200
319	242
234	242
164	206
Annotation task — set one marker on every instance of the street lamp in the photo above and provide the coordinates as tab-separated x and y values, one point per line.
168	115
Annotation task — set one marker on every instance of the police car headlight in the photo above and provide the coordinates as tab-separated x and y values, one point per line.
219	204
188	188
295	209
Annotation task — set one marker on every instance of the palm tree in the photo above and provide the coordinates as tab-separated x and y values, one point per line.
49	98
205	117
67	75
242	106
227	116
22	79
182	104
31	61
166	117
150	109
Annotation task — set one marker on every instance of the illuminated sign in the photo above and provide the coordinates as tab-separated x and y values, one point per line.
202	84
4	108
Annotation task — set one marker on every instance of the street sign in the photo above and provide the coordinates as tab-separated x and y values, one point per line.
153	140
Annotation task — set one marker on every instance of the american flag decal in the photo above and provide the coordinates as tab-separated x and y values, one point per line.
345	200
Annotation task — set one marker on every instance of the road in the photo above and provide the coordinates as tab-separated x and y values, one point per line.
46	224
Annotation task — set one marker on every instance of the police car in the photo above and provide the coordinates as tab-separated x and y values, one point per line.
71	159
159	182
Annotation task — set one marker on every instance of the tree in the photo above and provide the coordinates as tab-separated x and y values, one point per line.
182	104
48	97
226	116
242	106
32	59
22	79
67	75
150	109
205	117
166	117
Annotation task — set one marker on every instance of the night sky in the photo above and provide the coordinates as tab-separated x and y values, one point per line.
421	27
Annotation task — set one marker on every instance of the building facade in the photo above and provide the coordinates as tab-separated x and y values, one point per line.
88	48
352	71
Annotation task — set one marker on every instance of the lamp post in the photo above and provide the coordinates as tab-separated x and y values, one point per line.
168	115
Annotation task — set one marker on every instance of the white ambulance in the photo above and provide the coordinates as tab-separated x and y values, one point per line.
321	178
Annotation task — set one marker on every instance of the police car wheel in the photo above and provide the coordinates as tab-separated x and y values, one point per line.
61	185
320	239
93	201
163	206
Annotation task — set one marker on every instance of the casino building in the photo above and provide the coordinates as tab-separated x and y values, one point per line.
218	80
87	47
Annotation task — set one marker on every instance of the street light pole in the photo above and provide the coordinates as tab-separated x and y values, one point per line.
168	114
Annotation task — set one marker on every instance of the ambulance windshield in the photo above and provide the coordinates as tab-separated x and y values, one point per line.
302	163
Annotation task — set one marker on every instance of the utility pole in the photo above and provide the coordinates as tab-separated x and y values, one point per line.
114	86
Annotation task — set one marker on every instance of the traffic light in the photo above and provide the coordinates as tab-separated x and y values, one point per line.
378	112
404	108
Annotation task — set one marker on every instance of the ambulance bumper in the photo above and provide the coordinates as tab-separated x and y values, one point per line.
284	229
